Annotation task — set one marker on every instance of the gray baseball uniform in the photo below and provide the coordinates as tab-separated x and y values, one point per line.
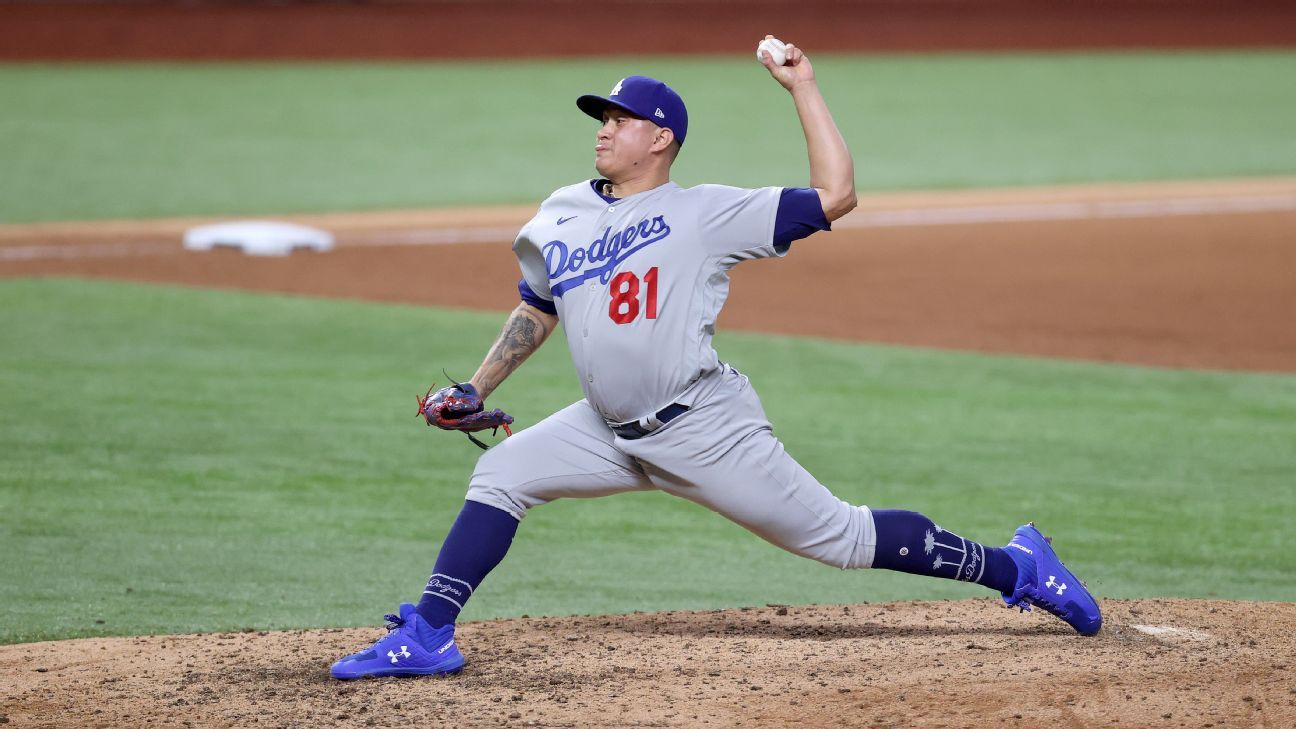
638	283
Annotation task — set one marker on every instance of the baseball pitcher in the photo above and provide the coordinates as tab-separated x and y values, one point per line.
637	269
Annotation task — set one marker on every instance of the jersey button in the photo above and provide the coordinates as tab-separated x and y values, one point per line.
586	332
591	379
612	210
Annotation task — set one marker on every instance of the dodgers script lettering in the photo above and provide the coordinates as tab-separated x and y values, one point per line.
604	254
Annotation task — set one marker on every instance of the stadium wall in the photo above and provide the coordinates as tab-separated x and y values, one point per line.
423	29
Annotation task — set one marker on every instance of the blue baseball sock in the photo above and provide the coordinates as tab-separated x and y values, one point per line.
910	542
478	541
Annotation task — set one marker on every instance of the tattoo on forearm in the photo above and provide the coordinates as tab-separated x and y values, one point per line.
519	340
522	335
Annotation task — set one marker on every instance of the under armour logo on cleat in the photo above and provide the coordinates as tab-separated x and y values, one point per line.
659	114
404	653
1052	583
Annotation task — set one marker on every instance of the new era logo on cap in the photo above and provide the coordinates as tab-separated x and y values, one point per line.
644	97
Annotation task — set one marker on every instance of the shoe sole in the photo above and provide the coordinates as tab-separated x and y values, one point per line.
399	672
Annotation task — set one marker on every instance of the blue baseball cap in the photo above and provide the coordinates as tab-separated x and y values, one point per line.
645	97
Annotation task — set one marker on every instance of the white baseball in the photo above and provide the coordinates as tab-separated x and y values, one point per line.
775	48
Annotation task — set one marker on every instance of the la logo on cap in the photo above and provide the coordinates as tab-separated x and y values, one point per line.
617	89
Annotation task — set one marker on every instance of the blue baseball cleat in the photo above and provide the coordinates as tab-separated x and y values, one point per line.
1043	581
410	648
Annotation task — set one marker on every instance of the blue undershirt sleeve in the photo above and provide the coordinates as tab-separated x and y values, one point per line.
800	214
530	297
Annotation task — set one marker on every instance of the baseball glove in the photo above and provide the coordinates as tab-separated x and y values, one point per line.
459	407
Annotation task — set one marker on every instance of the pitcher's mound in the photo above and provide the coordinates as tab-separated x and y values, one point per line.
966	663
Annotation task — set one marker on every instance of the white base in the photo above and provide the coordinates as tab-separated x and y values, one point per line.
258	238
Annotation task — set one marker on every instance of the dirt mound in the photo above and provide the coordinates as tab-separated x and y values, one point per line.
965	663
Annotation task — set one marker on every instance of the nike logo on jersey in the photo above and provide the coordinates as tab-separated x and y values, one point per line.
563	220
607	252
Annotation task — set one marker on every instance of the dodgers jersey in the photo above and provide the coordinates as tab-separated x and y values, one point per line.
639	281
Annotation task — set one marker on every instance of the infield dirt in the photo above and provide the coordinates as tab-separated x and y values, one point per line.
1204	286
1183	274
943	664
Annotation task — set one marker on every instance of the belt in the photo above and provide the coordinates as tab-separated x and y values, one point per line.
639	428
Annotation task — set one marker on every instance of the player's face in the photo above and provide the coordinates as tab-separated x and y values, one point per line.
623	144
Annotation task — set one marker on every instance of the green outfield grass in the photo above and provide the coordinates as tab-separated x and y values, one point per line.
185	460
124	140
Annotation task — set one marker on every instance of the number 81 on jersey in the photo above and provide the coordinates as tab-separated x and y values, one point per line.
624	287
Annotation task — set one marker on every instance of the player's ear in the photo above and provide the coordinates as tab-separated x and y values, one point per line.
664	140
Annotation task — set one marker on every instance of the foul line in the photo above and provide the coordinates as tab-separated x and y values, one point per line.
91	250
885	218
434	237
1104	209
